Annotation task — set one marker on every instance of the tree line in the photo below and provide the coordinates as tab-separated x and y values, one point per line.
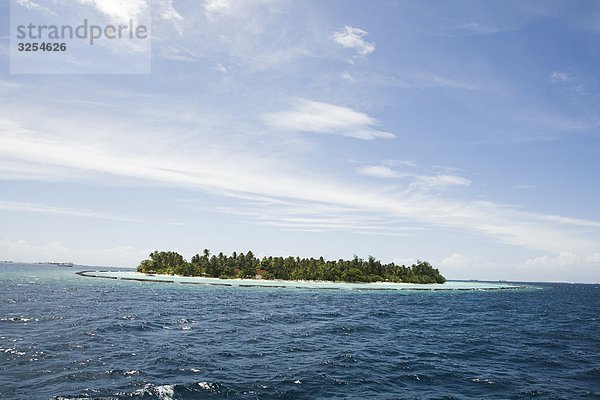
240	265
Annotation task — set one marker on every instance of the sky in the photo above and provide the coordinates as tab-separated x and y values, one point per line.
462	133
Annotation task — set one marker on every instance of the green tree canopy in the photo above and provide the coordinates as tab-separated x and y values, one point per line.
245	265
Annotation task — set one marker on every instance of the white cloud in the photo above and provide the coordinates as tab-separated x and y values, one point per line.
294	215
168	12
221	68
456	260
68	212
268	59
558	76
22	246
352	38
401	163
570	221
562	259
526	186
215	7
423	79
347	77
7	86
477	28
165	16
380	171
430	80
30	5
256	35
440	181
19	170
318	117
418	181
119	9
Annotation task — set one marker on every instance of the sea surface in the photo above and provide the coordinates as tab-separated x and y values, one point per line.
64	336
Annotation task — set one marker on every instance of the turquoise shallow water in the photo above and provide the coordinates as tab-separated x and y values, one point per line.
66	336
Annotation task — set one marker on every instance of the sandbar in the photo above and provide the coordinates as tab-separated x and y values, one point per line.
252	283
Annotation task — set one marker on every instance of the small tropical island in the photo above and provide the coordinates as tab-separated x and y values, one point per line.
247	266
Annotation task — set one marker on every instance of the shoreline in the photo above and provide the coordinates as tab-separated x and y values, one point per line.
323	285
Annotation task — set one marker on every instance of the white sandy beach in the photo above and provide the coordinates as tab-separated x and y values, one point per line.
141	277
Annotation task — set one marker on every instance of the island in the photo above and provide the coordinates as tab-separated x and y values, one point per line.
247	266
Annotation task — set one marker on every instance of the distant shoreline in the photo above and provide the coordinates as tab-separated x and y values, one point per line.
300	284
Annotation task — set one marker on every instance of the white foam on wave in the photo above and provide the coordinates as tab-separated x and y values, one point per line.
206	385
165	392
131	372
12	350
18	319
484	380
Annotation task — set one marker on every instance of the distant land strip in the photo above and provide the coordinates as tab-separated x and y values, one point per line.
315	285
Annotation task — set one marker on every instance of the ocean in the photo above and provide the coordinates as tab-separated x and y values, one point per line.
64	336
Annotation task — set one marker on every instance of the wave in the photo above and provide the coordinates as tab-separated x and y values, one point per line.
162	392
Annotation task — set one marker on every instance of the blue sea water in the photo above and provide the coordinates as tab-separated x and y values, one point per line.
63	336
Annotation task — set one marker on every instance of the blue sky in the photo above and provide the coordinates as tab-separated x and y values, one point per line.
463	133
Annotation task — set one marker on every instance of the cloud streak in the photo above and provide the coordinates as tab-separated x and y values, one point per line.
27	207
318	117
30	5
417	180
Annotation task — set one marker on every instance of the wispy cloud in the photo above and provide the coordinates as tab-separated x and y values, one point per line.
318	117
297	215
570	221
439	181
417	180
526	186
353	38
118	9
61	211
576	83
267	60
6	86
558	76
248	36
347	77
431	80
215	7
381	171
32	171
424	79
31	5
478	28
